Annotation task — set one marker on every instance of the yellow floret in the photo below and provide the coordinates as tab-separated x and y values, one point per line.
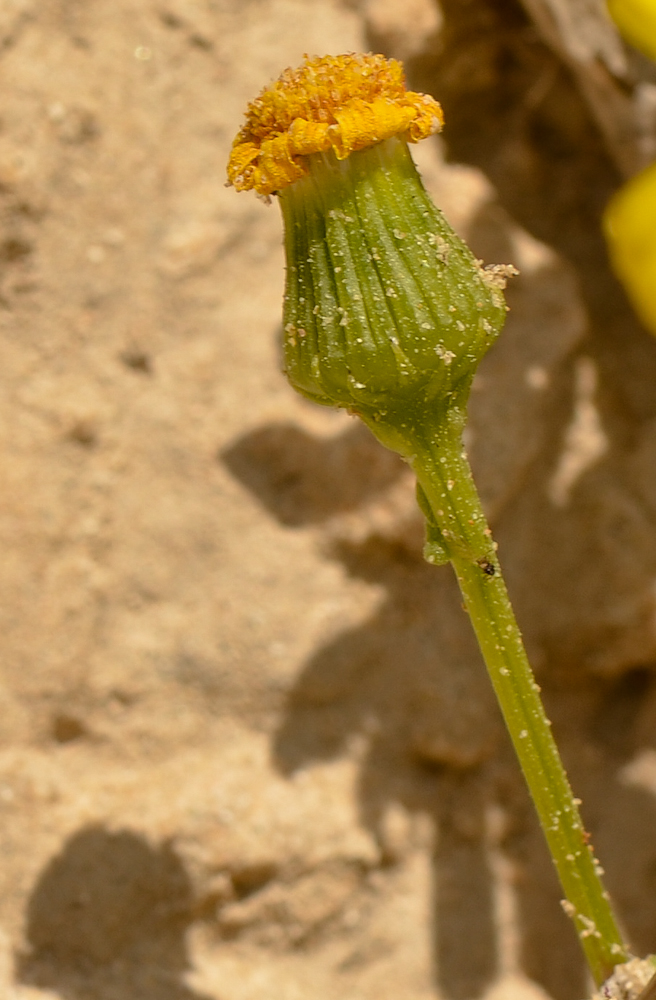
343	103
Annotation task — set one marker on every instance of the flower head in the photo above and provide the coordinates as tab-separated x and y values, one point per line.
340	103
385	307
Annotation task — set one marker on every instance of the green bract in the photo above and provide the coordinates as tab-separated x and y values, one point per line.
383	302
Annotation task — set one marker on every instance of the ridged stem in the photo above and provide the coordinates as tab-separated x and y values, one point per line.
459	524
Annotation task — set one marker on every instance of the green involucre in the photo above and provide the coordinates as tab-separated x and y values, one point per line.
383	301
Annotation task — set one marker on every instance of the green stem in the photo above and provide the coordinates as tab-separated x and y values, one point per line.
461	534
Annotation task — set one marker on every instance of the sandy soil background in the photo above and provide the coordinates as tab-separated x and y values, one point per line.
247	746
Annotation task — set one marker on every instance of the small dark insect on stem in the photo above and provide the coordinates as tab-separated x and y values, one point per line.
486	566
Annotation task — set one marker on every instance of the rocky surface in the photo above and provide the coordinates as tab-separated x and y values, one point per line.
247	746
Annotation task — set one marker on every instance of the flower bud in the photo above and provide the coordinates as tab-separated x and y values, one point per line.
384	305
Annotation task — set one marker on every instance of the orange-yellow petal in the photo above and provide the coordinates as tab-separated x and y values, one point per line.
344	103
362	123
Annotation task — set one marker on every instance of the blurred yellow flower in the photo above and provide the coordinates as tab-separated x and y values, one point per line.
636	19
630	224
630	219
